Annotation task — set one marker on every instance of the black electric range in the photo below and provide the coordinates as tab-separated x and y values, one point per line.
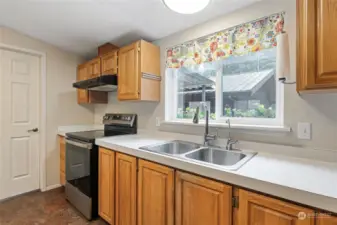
82	161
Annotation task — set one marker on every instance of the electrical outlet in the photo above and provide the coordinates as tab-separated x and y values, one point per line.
158	121
304	131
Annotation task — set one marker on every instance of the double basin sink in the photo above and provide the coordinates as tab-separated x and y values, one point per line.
211	156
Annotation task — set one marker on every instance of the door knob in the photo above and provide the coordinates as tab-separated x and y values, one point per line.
34	130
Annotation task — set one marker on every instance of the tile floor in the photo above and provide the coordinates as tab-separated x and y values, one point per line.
48	208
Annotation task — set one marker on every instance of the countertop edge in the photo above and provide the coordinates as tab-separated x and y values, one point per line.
62	130
291	194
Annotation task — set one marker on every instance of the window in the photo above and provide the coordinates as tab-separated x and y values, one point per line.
243	88
231	73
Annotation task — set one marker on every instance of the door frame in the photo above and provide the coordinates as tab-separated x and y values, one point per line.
42	108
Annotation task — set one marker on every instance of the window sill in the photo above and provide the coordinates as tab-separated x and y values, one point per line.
269	128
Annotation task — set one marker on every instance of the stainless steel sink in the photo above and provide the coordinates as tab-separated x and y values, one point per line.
172	147
231	160
207	156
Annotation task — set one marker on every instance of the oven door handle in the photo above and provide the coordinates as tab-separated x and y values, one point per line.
79	144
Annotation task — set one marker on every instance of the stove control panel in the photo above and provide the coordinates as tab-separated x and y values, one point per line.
120	119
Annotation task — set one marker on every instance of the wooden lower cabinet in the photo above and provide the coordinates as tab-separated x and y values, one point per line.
126	189
158	195
262	210
155	194
106	185
62	147
326	220
201	201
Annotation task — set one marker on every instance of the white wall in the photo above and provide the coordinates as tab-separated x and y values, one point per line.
62	107
319	109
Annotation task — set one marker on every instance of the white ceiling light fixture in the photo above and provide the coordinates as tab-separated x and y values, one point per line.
186	6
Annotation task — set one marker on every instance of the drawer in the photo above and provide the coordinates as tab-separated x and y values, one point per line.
62	165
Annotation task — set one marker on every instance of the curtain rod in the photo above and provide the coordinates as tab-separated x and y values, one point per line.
252	21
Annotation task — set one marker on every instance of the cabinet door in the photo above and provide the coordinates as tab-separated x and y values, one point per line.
155	194
94	68
126	179
109	63
324	220
129	72
201	201
106	185
262	210
317	50
326	41
62	146
85	72
82	74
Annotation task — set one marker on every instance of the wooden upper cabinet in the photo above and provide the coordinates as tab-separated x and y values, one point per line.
262	210
139	72
155	194
316	44
126	189
109	63
128	73
84	72
326	220
106	185
94	68
201	201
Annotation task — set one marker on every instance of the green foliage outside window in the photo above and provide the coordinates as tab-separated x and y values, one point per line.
259	112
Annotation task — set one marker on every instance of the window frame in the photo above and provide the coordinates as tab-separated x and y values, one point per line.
171	104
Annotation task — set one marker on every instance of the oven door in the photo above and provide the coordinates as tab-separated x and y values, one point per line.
78	165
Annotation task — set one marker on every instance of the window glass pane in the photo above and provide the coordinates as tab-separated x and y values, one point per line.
191	82
249	85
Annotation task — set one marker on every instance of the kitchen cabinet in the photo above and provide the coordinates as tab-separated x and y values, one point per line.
155	194
109	63
139	72
94	67
316	45
262	210
84	72
62	147
106	48
201	201
135	191
326	220
126	189
106	185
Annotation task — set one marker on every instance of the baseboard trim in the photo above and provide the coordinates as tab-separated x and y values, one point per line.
51	187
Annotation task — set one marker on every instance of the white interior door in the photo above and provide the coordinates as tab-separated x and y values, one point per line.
19	109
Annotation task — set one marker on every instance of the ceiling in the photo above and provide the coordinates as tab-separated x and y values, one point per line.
80	26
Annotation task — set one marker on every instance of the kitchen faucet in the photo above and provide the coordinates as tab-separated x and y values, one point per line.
230	141
208	137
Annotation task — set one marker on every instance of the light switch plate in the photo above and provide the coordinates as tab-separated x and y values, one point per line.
304	131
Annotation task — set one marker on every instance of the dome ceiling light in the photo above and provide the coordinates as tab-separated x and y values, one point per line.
186	6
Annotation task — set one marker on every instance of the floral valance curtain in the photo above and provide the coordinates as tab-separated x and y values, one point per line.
240	40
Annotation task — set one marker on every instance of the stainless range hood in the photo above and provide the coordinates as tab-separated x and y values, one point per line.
105	83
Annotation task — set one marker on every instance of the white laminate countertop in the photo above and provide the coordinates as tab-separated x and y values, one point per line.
62	130
309	182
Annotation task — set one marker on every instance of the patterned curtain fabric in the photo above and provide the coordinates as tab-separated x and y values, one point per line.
236	41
